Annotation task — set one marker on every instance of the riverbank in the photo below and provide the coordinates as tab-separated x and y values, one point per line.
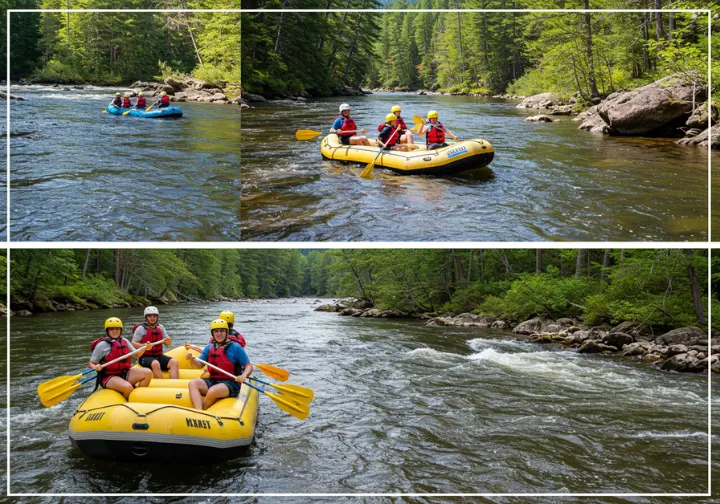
684	349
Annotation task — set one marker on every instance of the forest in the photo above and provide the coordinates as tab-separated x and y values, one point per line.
120	47
664	287
520	53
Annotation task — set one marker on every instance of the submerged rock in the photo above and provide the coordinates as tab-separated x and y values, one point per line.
539	118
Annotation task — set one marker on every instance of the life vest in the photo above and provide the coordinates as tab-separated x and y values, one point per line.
348	126
218	357
118	348
117	102
141	102
235	336
165	99
151	336
392	134
400	122
435	134
126	103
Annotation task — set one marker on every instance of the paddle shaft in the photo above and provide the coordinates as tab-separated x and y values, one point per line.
217	368
124	356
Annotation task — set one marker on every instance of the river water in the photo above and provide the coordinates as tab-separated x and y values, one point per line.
80	174
399	407
547	182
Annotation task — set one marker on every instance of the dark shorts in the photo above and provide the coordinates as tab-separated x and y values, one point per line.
232	385
345	140
163	105
147	360
437	146
106	378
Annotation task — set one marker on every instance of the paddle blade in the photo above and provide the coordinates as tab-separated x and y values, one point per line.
58	395
368	169
126	112
296	392
273	372
49	387
148	109
307	134
294	408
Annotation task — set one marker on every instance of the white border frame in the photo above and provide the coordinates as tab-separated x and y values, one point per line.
360	245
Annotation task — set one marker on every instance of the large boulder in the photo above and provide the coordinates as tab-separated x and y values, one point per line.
594	346
534	325
499	324
330	307
637	348
711	135
539	118
649	107
542	100
682	362
595	124
683	335
699	117
175	84
617	339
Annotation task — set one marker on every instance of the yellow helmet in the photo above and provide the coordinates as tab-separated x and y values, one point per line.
218	324
228	317
141	93
163	93
127	95
390	117
396	108
117	94
433	114
113	322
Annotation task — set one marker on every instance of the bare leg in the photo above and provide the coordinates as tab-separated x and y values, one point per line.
156	371
197	388
119	385
141	376
173	368
216	392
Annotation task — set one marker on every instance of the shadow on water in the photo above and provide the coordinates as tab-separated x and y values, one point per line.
103	177
399	407
547	181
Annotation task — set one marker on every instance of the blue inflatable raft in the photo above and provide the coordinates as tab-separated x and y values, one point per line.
154	113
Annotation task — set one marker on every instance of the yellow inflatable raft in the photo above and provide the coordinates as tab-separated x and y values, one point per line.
458	157
158	423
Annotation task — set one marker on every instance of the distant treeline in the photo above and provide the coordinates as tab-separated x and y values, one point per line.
119	47
492	52
657	287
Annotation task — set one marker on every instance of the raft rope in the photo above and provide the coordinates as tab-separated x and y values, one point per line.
140	415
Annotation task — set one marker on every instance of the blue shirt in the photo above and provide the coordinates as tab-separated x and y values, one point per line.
234	352
338	123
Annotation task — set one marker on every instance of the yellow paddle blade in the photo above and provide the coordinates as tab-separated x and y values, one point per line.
296	392
296	409
368	169
58	396
273	372
126	112
307	134
49	387
148	109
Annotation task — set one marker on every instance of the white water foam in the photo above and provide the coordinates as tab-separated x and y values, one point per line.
676	434
432	354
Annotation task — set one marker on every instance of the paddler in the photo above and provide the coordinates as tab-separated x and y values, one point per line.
388	137
126	101
141	102
233	335
118	376
406	136
435	131
149	331
345	128
225	354
164	100
118	100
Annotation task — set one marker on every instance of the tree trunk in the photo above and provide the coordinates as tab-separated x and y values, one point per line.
671	25
695	289
118	258
658	21
462	60
279	30
192	37
85	265
538	261
579	263
606	265
459	270
589	53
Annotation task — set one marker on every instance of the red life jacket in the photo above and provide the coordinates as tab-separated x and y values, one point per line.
435	135
117	102
235	336
393	134
218	357
400	122
165	99
348	126
151	336
118	348
126	103
140	102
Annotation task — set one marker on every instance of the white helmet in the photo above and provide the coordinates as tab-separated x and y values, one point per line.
151	310
344	106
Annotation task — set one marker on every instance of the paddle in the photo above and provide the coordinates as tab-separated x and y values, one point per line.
369	168
310	134
126	112
148	109
301	394
296	409
273	372
418	123
58	389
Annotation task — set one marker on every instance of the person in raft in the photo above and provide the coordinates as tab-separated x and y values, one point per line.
233	335
435	132
225	354
117	101
126	101
149	332
388	137
345	128
164	100
405	135
118	376
141	102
